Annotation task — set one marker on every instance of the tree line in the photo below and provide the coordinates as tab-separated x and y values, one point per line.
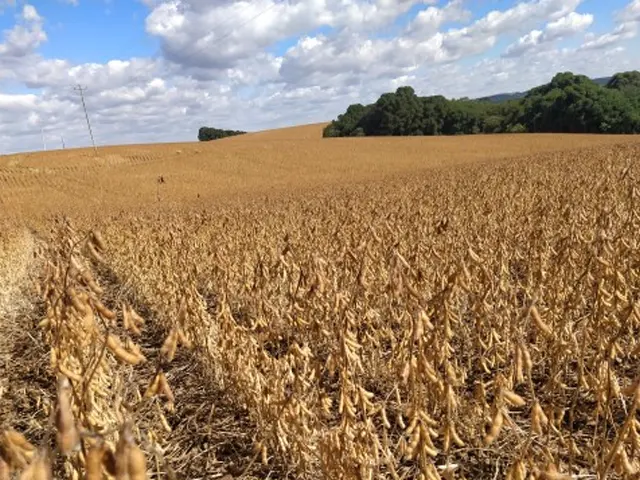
568	104
206	134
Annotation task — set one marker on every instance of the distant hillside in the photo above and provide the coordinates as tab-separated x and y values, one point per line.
505	97
602	80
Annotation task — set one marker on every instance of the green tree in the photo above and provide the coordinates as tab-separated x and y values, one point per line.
517	128
568	103
575	104
628	83
206	134
434	111
398	113
348	123
625	80
493	124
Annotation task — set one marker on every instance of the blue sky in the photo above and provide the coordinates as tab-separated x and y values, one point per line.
93	30
281	62
101	30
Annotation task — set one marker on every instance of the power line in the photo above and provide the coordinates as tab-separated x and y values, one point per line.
79	88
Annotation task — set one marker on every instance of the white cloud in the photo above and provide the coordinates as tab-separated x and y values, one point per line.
218	35
482	34
628	19
525	43
429	20
337	56
13	103
25	36
524	14
631	13
566	26
113	74
30	14
622	32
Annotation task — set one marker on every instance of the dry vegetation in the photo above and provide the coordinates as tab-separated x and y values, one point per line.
264	163
477	321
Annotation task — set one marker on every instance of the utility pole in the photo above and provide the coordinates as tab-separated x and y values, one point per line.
44	145
80	89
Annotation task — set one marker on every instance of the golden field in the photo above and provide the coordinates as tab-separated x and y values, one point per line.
256	164
284	306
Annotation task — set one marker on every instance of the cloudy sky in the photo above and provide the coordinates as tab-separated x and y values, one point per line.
158	70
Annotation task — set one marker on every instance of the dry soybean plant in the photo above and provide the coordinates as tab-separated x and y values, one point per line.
94	411
478	322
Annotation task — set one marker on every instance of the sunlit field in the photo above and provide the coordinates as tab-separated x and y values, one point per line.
278	305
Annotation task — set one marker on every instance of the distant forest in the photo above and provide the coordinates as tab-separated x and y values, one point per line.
568	104
206	134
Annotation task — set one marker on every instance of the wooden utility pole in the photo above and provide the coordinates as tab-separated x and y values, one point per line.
80	89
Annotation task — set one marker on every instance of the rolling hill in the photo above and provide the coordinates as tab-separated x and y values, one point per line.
504	97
